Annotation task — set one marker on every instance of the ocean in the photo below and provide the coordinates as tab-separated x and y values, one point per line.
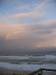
28	64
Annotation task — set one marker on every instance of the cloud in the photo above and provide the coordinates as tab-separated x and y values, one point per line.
33	12
29	36
36	12
46	42
40	34
16	36
45	34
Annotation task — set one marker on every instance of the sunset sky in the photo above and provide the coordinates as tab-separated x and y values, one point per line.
27	24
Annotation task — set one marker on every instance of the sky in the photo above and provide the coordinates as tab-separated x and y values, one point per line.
27	24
